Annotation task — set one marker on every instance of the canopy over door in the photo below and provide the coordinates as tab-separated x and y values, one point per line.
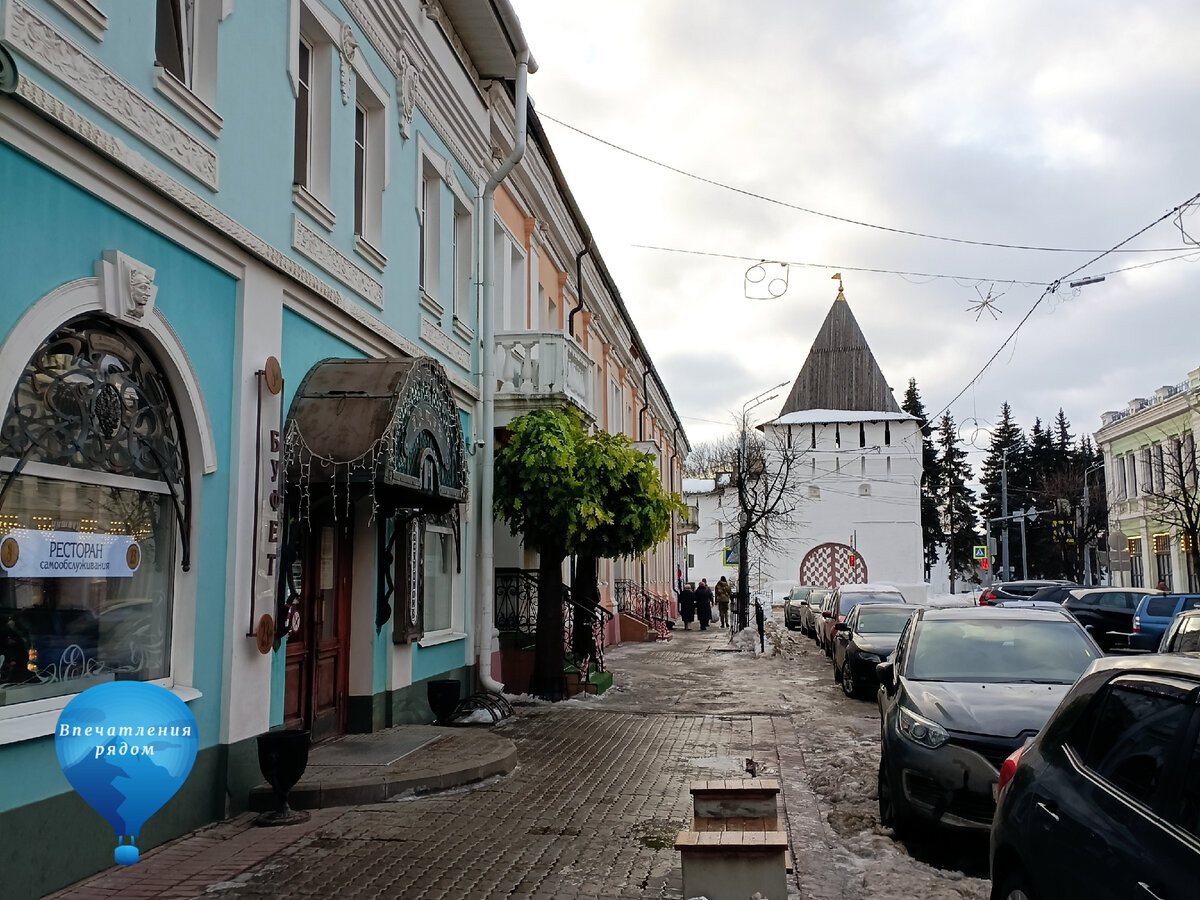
388	424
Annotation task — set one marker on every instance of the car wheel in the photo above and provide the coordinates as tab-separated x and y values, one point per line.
1015	886
849	688
828	650
837	672
891	815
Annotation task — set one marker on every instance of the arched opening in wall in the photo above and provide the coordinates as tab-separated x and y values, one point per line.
832	564
94	513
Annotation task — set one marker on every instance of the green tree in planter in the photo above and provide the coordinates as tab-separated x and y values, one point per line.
626	512
565	491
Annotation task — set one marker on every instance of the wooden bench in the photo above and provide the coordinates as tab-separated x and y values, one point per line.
733	864
743	804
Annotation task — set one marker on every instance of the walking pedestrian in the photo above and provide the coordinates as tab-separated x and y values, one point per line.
704	597
687	605
722	593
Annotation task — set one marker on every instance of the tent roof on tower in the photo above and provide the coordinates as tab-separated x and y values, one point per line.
840	372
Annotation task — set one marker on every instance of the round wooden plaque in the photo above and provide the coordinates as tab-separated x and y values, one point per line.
273	375
264	634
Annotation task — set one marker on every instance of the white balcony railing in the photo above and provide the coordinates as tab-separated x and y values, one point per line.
537	363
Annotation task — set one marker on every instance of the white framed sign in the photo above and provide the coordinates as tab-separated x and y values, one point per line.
33	553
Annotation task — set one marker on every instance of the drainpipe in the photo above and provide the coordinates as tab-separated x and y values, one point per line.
578	285
487	550
674	549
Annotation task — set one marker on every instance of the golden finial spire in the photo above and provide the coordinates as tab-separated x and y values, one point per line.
838	277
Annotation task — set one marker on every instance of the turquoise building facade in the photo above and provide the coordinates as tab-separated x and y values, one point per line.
207	203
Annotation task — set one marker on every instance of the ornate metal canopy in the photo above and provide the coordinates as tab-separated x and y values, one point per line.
391	424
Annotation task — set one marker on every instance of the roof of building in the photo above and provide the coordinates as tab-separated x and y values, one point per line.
819	416
840	372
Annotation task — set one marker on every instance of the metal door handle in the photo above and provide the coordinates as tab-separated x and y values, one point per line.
1051	813
1145	887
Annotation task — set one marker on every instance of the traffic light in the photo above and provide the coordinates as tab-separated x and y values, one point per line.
851	559
983	564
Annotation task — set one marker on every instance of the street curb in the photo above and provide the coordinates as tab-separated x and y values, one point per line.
457	757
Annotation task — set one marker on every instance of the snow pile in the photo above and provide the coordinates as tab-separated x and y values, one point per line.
948	600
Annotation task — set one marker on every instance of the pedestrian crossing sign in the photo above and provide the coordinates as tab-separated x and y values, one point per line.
729	556
980	552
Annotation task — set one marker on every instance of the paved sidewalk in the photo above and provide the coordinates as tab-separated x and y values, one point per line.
590	812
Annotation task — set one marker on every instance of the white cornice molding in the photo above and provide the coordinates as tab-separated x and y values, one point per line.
432	335
329	305
187	102
67	62
84	14
336	263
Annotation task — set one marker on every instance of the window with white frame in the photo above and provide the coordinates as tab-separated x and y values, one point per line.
311	70
89	531
370	151
185	57
438	579
616	408
463	263
508	297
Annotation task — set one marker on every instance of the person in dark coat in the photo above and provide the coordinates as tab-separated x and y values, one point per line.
687	605
704	599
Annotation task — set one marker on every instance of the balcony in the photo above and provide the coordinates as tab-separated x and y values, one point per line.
540	369
692	524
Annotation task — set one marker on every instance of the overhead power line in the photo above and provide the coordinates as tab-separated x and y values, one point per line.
1192	255
1052	287
810	265
832	216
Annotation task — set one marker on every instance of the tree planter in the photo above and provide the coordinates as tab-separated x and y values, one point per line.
282	757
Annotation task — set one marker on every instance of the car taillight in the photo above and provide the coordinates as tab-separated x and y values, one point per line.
1008	769
985	597
1137	625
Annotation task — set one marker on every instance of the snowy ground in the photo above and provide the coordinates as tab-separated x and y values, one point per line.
828	764
839	741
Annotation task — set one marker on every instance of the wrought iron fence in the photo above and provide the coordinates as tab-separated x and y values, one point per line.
516	610
634	599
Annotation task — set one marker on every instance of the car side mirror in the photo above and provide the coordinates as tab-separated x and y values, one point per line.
886	672
804	603
841	626
1089	628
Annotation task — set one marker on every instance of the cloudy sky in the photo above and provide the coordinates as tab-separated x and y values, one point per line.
1069	125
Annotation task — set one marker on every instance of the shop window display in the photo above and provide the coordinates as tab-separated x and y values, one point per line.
91	485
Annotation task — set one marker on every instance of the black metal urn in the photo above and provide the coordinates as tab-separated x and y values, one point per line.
443	697
282	757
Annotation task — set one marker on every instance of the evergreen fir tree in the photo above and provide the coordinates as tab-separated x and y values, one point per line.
956	500
1043	535
1062	437
1008	449
931	528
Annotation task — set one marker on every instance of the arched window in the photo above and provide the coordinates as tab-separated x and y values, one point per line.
92	479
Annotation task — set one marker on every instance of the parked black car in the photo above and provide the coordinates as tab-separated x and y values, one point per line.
964	688
1018	590
1051	595
1183	634
795	606
863	641
1105	801
1108	611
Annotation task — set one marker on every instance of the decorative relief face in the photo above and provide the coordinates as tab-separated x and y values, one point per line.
141	291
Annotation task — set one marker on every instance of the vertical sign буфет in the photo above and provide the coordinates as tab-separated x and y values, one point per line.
268	502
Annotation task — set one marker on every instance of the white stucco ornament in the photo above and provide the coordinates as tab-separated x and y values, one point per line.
406	90
347	47
127	287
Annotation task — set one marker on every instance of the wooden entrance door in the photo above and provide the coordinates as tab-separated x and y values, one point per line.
318	655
